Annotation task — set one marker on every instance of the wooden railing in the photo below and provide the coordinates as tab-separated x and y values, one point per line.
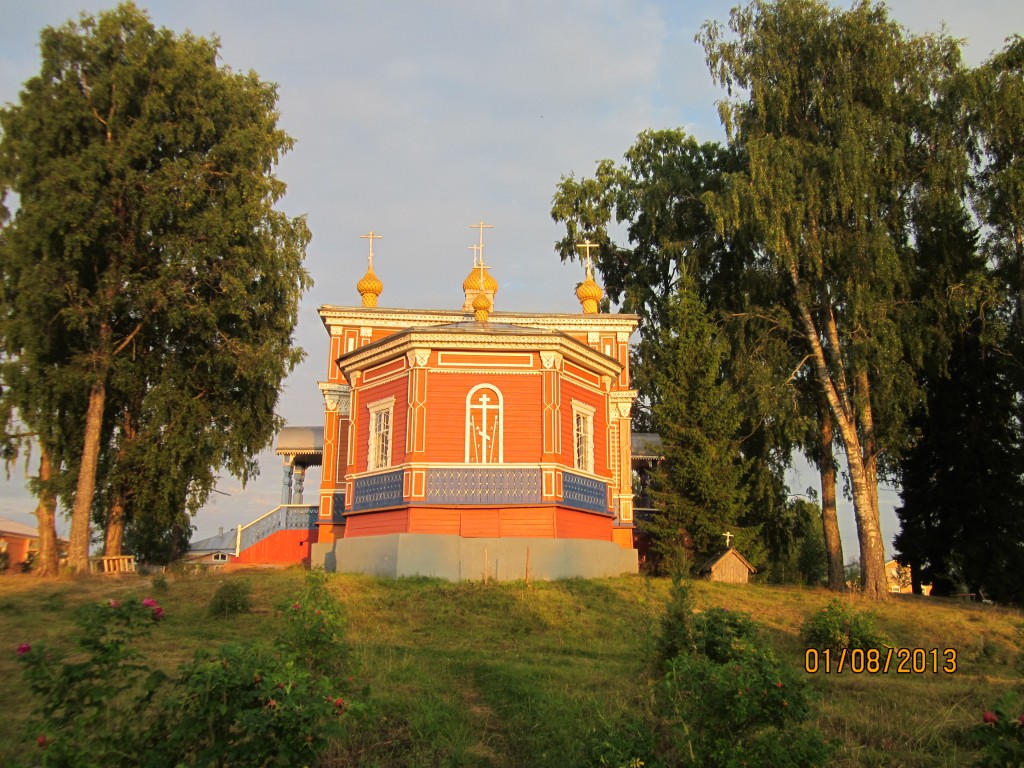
112	564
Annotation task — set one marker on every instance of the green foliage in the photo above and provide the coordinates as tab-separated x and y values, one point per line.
149	287
314	626
800	557
839	627
699	487
84	698
4	560
257	703
248	705
231	597
725	699
1000	735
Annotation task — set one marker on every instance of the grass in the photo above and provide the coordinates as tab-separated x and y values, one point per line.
516	675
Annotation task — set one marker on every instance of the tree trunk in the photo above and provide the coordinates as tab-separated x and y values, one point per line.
865	504
81	513
48	563
115	527
829	515
115	519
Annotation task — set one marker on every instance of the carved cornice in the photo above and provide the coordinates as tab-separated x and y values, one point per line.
551	360
622	402
542	342
337	397
418	358
333	315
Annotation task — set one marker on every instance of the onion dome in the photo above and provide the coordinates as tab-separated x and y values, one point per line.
471	286
589	293
370	287
481	307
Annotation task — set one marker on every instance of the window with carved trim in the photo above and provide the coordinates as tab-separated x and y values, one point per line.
583	429
381	415
485	425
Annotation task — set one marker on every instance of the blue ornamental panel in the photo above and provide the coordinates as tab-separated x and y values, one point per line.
338	508
376	491
584	493
483	486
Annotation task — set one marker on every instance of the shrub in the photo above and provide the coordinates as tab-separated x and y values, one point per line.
5	560
1000	734
723	700
254	704
839	627
230	598
314	626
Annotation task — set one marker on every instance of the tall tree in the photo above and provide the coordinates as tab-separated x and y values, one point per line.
839	121
146	240
658	193
699	490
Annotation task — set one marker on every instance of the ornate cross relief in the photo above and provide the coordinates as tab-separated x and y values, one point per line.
484	443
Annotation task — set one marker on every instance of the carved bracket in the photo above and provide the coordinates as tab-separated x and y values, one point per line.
337	397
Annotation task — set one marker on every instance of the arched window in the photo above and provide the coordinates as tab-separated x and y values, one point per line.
485	425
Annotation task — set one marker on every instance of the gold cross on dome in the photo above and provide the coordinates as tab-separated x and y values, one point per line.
481	226
371	236
588	246
476	255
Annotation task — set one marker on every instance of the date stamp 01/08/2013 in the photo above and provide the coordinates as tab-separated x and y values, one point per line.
903	661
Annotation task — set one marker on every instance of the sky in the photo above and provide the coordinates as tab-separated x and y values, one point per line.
418	119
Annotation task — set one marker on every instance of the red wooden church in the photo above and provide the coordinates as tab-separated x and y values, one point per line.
473	443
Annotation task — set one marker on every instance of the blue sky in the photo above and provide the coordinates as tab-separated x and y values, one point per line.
417	119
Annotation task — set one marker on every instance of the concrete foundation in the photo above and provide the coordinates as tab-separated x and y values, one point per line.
455	558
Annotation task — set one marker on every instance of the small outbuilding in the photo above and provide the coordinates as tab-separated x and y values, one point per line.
728	566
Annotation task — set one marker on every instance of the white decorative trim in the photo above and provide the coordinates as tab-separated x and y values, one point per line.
550	360
473	449
583	436
337	397
366	331
405	318
379	456
593	337
336	330
418	358
622	336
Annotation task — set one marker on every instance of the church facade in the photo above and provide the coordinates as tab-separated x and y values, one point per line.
469	443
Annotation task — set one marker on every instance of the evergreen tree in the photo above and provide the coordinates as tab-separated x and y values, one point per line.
962	516
145	263
699	490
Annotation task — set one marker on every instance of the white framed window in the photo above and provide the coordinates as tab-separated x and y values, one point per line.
381	415
485	424
220	557
583	431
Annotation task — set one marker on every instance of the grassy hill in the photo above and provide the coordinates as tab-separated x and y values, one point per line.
544	674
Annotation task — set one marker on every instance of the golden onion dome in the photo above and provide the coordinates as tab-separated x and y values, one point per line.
472	281
589	294
370	287
481	307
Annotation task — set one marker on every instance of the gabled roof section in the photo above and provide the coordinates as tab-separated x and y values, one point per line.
721	556
17	529
222	542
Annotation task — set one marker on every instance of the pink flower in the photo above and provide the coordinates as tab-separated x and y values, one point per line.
149	602
778	684
158	613
113	604
42	741
339	702
990	717
1021	719
24	648
295	606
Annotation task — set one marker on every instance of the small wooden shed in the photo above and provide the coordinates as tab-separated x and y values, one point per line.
728	566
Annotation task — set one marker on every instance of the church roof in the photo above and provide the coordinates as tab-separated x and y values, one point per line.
647	445
300	440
